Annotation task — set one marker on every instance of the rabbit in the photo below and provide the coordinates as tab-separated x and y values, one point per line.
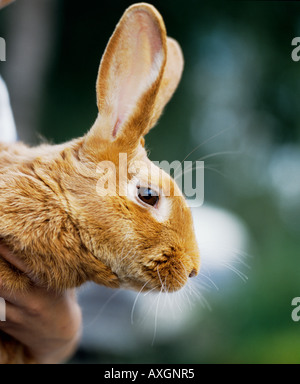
52	213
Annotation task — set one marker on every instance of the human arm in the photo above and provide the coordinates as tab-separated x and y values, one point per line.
48	323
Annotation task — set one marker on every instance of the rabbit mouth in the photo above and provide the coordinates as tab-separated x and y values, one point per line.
163	279
168	271
173	273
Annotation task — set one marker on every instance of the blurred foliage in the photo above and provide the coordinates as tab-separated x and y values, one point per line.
238	61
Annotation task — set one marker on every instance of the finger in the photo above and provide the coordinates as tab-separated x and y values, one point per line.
35	295
2	310
11	317
12	259
9	296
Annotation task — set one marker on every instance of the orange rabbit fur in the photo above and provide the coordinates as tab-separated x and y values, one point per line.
51	214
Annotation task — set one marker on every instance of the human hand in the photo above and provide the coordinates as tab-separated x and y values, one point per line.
47	323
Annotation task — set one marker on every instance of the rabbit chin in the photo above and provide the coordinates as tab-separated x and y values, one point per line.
134	285
170	283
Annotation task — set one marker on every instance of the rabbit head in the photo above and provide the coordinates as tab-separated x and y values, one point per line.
136	222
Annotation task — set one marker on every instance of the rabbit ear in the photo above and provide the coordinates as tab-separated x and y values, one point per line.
171	78
130	76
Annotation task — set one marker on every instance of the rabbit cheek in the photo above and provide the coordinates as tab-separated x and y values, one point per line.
183	222
172	273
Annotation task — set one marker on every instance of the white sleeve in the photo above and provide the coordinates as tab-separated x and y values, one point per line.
8	132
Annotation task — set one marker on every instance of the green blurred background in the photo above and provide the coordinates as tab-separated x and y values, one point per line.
238	104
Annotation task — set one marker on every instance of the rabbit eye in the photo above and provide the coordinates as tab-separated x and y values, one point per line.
148	196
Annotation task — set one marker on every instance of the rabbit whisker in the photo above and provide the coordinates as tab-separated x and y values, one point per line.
210	280
236	271
156	317
127	256
162	284
136	300
219	154
101	310
148	292
195	168
203	143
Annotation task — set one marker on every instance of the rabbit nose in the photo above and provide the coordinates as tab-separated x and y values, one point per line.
193	273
